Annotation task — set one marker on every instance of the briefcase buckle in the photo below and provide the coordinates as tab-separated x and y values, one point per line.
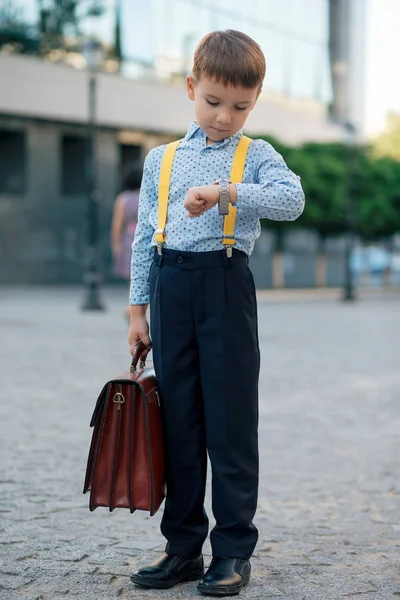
119	399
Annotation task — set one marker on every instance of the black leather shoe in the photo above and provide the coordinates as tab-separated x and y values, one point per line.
169	570
225	576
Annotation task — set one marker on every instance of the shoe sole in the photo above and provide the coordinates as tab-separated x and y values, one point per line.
223	590
165	585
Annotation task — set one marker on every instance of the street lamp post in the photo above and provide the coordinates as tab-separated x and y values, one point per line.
342	69
93	54
349	292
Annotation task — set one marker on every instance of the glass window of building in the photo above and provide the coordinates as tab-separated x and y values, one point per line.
12	162
157	38
73	165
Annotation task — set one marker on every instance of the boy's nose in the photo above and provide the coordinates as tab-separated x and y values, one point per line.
224	118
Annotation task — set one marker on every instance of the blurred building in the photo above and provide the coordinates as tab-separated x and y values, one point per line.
140	103
347	52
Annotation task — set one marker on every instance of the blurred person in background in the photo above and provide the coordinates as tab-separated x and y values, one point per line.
124	221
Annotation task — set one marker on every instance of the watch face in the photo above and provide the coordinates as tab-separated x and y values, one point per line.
218	181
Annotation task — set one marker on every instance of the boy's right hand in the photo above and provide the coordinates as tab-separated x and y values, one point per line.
138	330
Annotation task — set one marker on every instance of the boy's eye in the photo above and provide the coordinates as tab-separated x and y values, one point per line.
212	103
240	107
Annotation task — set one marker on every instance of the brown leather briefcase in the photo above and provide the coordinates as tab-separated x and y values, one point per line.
125	467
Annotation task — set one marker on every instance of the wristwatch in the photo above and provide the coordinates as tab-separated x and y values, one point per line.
224	196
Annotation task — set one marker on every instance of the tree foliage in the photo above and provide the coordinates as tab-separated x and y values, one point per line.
329	173
15	33
58	25
377	192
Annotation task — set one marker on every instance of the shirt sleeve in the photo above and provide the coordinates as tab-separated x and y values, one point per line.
277	193
142	252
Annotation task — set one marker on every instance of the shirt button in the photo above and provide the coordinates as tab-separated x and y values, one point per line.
179	259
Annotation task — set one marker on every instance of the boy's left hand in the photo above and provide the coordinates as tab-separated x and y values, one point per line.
201	198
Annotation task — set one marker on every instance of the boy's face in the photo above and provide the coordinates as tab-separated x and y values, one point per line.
221	110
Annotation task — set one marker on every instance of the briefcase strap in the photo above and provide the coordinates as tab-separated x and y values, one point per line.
139	356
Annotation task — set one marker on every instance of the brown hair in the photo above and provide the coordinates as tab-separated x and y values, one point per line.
230	57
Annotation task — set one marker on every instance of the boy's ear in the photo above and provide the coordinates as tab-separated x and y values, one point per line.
255	101
190	85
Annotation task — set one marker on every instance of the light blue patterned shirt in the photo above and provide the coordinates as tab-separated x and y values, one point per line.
269	190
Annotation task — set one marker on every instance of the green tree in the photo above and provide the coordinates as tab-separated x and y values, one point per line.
58	27
377	188
328	174
322	170
15	33
57	18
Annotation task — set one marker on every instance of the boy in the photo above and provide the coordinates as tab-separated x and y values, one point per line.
204	315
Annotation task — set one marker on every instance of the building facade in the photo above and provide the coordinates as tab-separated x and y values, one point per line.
44	111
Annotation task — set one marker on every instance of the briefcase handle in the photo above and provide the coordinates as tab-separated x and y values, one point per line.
139	354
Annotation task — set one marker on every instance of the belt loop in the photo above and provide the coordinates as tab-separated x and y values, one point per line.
226	259
160	253
158	257
228	251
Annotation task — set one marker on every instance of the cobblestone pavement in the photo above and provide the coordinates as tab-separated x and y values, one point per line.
329	506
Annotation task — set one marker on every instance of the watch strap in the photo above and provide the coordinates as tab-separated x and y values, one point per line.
224	197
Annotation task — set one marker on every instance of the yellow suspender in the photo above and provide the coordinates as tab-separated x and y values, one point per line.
239	161
163	190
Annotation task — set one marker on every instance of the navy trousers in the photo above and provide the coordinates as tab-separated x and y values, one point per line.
203	322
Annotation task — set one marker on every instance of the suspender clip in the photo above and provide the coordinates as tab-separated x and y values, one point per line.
159	249
229	251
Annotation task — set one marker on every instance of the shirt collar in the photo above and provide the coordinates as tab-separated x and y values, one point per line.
195	130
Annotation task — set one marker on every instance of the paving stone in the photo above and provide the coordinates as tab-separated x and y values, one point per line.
329	510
